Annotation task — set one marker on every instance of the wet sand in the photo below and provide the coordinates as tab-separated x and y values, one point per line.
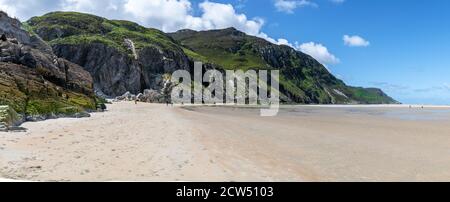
148	142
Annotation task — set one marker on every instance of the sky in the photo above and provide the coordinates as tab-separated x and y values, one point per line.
400	46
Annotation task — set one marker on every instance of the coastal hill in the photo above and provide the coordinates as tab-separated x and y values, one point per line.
60	64
124	56
35	84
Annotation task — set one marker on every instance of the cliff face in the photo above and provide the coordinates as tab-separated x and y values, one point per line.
36	83
302	78
123	56
115	72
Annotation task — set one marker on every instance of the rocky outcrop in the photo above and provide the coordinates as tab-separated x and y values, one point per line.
115	72
123	56
9	118
52	68
302	78
36	83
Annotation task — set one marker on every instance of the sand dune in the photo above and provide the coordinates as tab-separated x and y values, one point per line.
148	142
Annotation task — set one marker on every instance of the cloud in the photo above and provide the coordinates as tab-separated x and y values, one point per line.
24	9
288	6
167	15
445	87
338	1
171	15
318	52
355	41
390	86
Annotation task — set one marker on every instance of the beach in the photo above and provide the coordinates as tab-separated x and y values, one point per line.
151	142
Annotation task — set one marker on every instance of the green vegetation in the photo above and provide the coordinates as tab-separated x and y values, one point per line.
77	28
8	116
195	56
29	94
370	96
242	60
303	79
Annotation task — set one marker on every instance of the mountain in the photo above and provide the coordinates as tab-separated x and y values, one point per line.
34	82
303	79
123	56
120	55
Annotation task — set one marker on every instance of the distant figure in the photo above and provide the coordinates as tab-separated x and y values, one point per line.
3	37
135	102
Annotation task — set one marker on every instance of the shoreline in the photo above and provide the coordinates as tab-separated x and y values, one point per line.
155	142
324	105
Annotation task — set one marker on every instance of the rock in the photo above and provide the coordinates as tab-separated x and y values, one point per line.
126	97
139	96
152	96
3	127
9	118
115	73
81	115
17	129
101	107
3	37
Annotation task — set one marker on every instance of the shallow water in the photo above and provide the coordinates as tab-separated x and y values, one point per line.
400	113
412	114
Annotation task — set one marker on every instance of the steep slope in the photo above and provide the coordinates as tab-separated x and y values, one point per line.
34	82
303	79
120	55
123	56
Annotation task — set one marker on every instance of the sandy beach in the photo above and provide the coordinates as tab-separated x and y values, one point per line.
150	142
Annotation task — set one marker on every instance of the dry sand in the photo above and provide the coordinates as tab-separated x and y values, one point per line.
148	142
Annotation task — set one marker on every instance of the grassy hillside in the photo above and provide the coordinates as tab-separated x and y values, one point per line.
303	79
79	28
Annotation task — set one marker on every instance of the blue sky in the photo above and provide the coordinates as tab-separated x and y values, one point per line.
401	46
409	51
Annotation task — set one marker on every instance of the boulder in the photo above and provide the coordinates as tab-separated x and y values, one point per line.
126	97
152	96
9	118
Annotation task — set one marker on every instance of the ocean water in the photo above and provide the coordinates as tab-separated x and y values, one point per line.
402	113
396	112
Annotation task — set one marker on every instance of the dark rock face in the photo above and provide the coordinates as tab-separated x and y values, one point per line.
123	56
36	83
115	73
52	68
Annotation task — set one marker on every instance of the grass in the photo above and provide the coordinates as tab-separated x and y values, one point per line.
55	105
87	39
30	97
79	28
195	56
243	60
370	96
303	78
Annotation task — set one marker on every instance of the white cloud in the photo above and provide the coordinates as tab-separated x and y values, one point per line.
167	15
170	15
218	16
288	6
355	41
446	86
318	52
338	1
